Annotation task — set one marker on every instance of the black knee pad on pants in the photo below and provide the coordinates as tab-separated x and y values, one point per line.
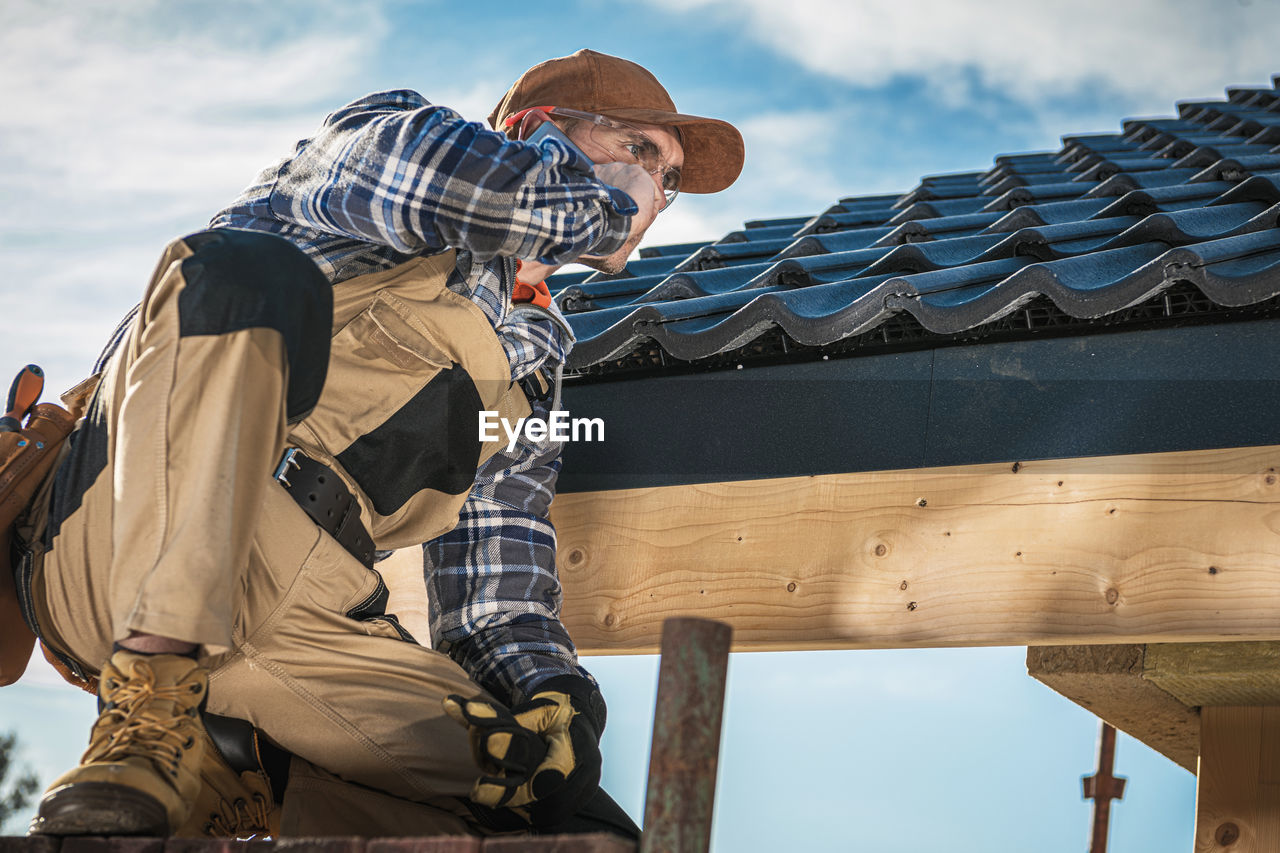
249	279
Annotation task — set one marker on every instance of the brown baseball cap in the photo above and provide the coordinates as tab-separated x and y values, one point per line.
618	88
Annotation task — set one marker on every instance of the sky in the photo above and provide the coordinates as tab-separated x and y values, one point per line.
127	124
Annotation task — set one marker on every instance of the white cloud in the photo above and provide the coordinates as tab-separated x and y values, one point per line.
1148	51
128	124
98	109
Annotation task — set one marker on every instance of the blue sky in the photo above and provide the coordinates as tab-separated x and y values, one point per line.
129	123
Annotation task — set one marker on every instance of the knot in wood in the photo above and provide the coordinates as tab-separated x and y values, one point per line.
911	605
881	550
1113	595
576	556
1226	834
609	620
791	587
921	502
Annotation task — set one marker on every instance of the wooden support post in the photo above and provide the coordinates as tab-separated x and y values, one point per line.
685	749
1238	797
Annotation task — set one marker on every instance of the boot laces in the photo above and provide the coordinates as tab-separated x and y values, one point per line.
240	818
133	725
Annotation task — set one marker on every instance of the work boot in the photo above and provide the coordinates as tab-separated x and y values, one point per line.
230	804
141	771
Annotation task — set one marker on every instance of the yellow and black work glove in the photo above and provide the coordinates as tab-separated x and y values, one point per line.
541	756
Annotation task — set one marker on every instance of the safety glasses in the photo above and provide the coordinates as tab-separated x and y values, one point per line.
623	142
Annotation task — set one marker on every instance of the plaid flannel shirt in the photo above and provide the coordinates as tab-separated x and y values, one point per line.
390	177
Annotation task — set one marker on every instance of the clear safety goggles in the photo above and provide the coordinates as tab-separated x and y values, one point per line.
623	142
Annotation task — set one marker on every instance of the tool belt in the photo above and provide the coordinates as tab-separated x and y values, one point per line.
27	456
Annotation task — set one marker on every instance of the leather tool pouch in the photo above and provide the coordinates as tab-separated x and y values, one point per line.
26	458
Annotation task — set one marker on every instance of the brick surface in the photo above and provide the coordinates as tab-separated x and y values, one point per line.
601	842
451	844
597	843
217	845
116	844
320	845
23	844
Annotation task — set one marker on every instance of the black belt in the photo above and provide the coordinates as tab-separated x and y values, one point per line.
323	496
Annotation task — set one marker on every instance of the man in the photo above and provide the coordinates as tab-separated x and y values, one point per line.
168	562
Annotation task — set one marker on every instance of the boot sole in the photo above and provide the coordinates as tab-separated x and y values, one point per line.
99	808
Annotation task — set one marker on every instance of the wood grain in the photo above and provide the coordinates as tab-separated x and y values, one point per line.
1177	547
1238	791
402	572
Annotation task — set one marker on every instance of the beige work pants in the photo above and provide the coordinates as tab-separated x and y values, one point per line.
180	531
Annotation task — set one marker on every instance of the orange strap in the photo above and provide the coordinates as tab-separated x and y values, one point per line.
538	293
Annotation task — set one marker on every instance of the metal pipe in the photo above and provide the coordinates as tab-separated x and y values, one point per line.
1102	788
685	747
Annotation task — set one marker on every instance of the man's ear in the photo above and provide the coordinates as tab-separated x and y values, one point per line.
532	121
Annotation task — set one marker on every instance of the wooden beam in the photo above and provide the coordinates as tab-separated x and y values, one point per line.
402	572
1107	680
1177	547
1238	795
1216	673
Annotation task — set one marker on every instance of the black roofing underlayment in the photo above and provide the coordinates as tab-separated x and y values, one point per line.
1119	296
1169	221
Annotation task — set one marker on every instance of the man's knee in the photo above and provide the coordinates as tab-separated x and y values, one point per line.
236	280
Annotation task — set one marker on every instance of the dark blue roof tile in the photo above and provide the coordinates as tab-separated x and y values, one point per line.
1109	223
1008	182
932	209
935	255
1049	213
1237	169
562	280
829	223
1096	143
1263	98
852	203
835	241
1207	155
822	269
1124	182
749	234
1233	271
1194	225
681	249
732	254
940	228
641	268
927	192
1263	187
1050	242
1147	201
1039	194
795	221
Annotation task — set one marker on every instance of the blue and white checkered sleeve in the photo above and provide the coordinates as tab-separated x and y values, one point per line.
394	170
494	596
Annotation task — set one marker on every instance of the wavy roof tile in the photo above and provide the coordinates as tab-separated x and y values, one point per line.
1167	219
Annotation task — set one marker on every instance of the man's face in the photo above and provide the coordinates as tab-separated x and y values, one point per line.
585	137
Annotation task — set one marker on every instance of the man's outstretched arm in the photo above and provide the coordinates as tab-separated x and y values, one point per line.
394	170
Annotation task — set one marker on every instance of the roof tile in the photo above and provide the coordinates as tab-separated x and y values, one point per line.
1107	223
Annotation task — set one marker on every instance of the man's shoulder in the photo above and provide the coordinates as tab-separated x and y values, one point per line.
391	100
